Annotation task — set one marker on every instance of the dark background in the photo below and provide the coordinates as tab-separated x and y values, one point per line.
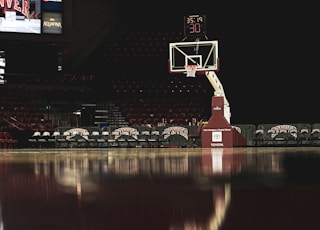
268	51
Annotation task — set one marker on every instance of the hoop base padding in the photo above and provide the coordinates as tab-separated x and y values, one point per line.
218	133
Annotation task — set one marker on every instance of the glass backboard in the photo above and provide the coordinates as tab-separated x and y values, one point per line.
204	54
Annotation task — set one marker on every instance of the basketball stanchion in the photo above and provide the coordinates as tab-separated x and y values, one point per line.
201	58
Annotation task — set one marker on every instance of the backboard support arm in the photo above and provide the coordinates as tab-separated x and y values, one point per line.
219	91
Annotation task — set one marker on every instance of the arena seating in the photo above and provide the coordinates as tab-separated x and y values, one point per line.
18	111
263	135
150	109
286	134
174	101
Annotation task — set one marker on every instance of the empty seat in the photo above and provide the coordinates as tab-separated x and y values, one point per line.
143	138
103	139
113	139
51	140
61	139
304	136
43	139
259	137
133	139
93	139
123	139
33	140
281	137
315	136
153	139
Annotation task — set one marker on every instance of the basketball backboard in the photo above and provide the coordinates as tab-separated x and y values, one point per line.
204	54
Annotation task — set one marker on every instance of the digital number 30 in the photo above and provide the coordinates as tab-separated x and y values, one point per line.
195	28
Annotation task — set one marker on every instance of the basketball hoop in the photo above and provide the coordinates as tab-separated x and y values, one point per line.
191	70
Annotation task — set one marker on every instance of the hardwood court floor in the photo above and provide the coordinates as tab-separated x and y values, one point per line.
160	188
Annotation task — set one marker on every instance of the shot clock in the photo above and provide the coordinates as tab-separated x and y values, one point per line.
195	25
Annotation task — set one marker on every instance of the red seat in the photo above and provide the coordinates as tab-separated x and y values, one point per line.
7	141
2	140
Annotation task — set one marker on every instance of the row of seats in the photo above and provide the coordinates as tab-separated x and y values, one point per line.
188	136
287	134
122	137
173	100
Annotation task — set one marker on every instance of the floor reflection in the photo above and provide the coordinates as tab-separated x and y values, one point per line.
178	188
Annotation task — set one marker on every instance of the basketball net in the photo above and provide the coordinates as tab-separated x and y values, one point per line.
191	70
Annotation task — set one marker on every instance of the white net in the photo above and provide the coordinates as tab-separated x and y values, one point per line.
191	70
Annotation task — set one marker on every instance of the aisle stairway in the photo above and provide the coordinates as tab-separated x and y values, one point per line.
109	114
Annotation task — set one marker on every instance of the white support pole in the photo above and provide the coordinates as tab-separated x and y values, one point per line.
217	86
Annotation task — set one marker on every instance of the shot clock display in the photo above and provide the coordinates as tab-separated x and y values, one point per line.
195	25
